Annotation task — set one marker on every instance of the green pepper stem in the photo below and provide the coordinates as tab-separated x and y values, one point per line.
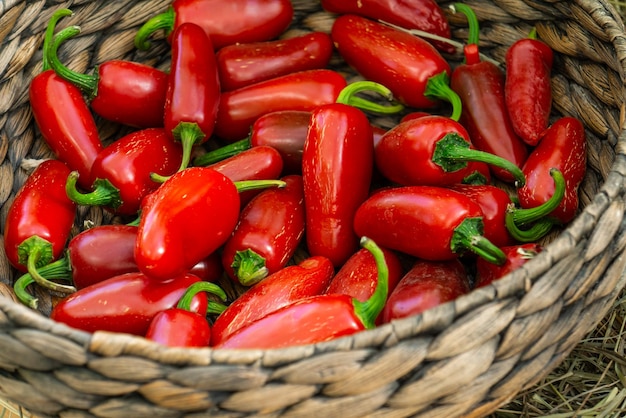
214	308
532	234
533	33
188	134
49	36
38	278
161	21
369	310
222	153
245	185
522	217
185	300
19	287
472	20
249	267
452	152
103	194
468	236
438	87
348	96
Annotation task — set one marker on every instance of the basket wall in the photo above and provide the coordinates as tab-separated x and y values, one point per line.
465	358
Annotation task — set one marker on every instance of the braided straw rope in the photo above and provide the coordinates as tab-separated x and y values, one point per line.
465	358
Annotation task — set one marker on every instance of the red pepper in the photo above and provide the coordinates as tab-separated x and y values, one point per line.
125	303
61	113
426	285
285	286
516	256
180	326
527	89
433	150
316	318
121	174
39	219
337	164
227	23
480	85
209	268
304	90
187	218
359	275
243	64
268	233
494	203
562	146
423	15
258	163
398	60
447	223
193	90
121	91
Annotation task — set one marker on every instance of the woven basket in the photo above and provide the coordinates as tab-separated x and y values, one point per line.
465	358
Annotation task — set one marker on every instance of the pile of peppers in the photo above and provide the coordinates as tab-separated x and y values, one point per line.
253	163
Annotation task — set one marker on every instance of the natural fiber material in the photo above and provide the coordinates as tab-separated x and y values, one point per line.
465	358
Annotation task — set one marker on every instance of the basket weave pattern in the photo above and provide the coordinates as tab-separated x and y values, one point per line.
461	359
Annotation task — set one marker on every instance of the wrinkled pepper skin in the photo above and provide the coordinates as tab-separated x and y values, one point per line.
309	277
563	146
337	165
126	303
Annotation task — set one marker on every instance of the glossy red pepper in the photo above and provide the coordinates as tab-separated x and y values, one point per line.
358	276
258	163
243	64
62	114
287	285
121	174
193	91
125	92
270	228
316	318
423	15
426	285
398	60
527	89
337	164
283	130
304	90
209	268
447	223
227	23
187	218
563	146
480	85
40	218
180	326
516	256
494	203
126	303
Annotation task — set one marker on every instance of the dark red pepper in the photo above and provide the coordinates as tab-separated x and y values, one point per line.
39	219
61	112
268	233
287	285
180	326
423	15
304	90
316	318
527	89
126	303
193	91
209	268
121	173
226	23
187	218
480	85
426	285
397	60
337	164
243	64
447	223
562	146
516	256
283	130
125	92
